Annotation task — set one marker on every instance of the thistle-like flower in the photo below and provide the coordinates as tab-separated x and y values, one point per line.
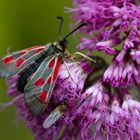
113	29
68	88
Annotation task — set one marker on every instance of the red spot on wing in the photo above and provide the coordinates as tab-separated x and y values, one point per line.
40	82
19	62
23	53
8	59
51	64
49	80
43	96
39	50
57	67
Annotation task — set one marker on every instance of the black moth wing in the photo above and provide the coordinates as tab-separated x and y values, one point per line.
39	88
14	63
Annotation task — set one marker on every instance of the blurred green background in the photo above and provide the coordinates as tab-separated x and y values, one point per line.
24	24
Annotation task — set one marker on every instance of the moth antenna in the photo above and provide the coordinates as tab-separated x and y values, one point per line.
80	26
60	26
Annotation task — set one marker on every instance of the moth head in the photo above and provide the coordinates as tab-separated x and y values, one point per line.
62	42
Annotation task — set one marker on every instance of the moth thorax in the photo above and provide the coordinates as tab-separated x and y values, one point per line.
59	47
63	107
62	44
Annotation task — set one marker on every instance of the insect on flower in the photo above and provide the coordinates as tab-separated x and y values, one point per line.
38	68
54	116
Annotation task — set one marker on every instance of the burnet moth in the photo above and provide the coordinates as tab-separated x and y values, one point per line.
38	68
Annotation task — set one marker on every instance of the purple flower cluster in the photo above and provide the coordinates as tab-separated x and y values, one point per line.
99	98
113	28
109	110
68	88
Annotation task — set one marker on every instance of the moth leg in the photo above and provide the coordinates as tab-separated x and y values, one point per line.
69	73
83	55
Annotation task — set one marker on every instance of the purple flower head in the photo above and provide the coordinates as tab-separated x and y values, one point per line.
96	94
102	120
107	46
108	110
71	78
68	89
113	28
119	75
